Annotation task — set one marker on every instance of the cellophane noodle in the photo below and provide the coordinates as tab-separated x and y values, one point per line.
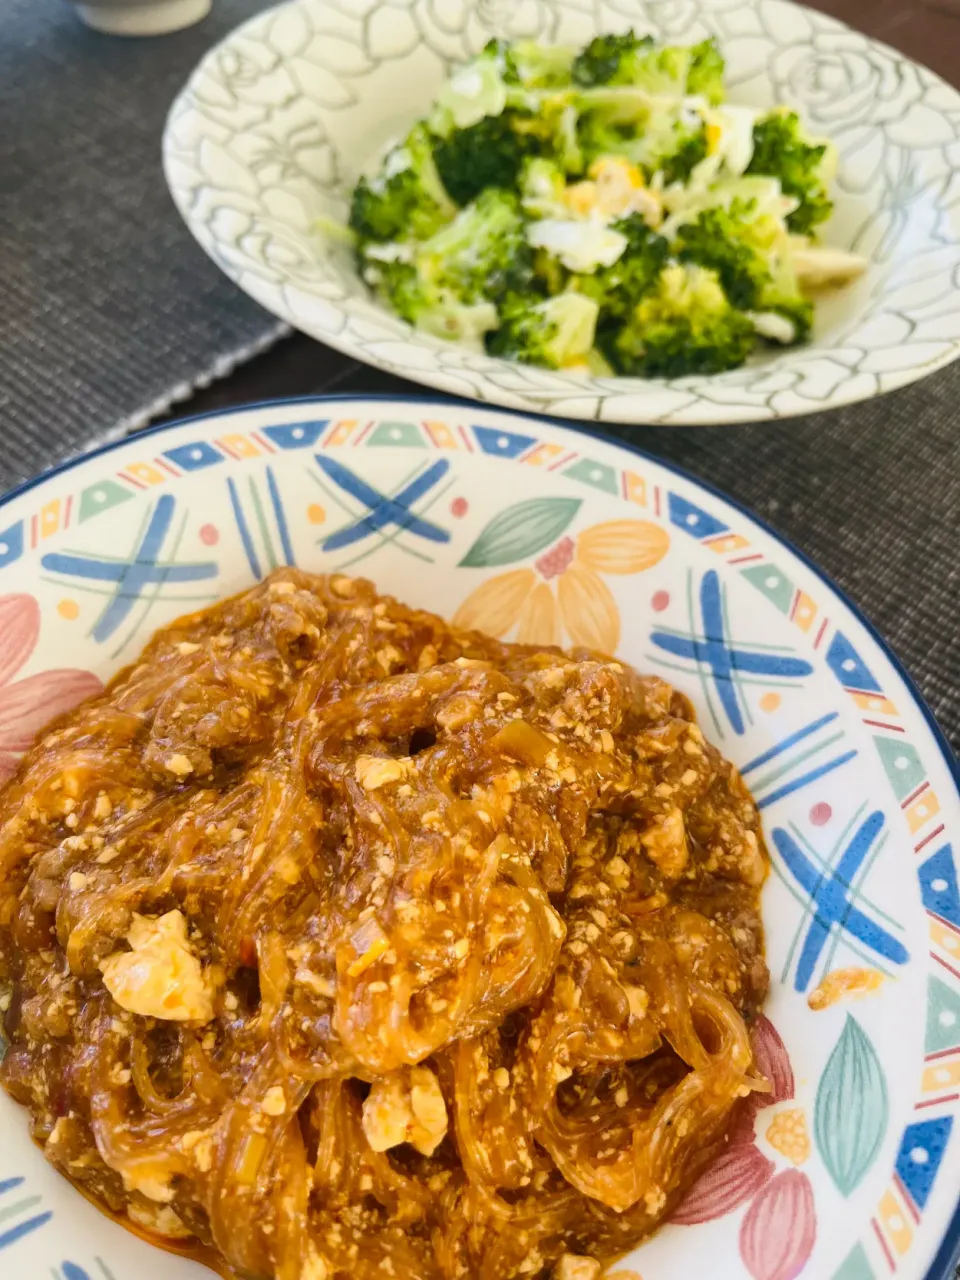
476	928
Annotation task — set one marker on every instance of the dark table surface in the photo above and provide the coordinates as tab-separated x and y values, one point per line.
789	473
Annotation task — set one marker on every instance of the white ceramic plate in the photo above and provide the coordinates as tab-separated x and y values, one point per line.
854	1170
279	120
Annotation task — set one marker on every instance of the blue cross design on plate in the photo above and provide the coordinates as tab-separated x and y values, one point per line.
381	510
131	577
728	665
832	893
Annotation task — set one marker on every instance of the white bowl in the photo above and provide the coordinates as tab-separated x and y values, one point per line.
855	786
277	122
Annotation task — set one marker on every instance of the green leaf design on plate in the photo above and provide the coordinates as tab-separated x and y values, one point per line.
520	531
850	1116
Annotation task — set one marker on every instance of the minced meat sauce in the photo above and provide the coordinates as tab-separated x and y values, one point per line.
341	943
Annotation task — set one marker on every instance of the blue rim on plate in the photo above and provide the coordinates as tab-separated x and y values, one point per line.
948	1253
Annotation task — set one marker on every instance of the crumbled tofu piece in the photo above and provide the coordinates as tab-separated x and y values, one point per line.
59	1132
501	1078
186	647
575	1266
274	1103
180	765
376	771
406	1106
665	843
638	1000
150	1177
161	1220
201	1146
428	657
654	1199
314	1267
77	881
752	864
160	977
103	807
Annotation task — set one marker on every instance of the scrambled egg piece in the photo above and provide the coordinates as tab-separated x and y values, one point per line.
614	189
406	1106
160	977
729	131
581	244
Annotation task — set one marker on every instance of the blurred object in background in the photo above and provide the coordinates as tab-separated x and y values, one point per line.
142	17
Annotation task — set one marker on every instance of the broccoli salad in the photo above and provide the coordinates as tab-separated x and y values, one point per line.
603	210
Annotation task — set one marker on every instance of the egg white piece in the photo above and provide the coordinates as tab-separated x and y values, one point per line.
582	245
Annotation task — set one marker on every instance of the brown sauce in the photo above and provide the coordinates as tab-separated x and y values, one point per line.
342	943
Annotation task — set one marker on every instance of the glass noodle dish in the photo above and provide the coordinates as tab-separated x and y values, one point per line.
603	210
340	943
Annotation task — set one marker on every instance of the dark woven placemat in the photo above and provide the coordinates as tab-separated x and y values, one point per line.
107	314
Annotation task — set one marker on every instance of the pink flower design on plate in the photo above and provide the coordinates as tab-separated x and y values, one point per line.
771	1060
777	1234
733	1178
780	1226
27	705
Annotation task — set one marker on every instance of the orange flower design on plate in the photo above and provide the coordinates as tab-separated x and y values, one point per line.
563	594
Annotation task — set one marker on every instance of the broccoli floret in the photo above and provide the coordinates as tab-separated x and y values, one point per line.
790	306
684	325
705	74
678	165
486	154
782	150
750	253
483	253
673	147
475	90
422	302
736	245
542	184
556	332
406	197
532	65
450	283
670	70
608	59
618	289
600	136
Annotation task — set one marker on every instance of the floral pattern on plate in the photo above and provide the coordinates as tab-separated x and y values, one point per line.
847	1168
